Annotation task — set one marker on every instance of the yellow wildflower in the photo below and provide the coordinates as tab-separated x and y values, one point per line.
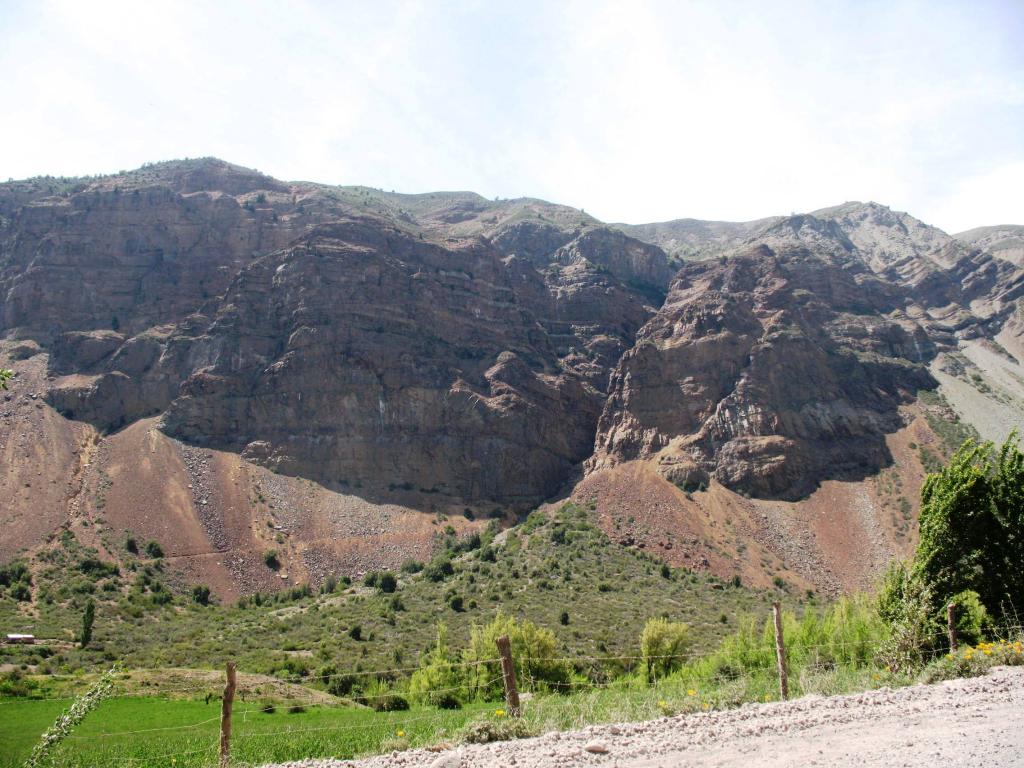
401	734
691	692
499	713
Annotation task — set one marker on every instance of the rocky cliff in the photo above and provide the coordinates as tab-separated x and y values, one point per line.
452	354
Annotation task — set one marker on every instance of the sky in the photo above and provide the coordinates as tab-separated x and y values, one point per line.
634	111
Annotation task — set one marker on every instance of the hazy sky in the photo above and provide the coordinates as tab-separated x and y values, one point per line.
635	111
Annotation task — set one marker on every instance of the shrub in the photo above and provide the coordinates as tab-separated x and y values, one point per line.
14	573
437	682
131	545
486	731
340	685
662	645
270	559
439	569
381	698
355	632
154	550
975	660
412	566
455	602
387	582
534	652
21	592
972	620
201	594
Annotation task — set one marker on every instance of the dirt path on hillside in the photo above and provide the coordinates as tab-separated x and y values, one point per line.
973	723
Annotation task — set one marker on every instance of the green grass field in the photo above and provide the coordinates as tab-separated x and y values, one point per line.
164	732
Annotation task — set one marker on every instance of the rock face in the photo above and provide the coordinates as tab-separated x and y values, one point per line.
365	358
1004	242
460	351
767	371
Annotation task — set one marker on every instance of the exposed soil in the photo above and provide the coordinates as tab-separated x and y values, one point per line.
969	723
840	538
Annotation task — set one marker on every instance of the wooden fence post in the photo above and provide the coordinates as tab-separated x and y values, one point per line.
508	673
225	716
951	626
780	652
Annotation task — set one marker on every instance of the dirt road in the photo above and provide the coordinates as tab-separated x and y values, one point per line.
973	723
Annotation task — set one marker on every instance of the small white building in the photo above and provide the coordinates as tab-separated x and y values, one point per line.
21	639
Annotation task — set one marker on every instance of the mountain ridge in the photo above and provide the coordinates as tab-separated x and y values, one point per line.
446	354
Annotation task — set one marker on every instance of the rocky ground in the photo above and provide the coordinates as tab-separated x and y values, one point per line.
972	722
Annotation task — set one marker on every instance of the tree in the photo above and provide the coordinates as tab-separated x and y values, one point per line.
662	645
972	528
88	617
534	652
437	681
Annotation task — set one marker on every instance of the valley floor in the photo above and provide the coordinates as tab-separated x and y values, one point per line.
972	722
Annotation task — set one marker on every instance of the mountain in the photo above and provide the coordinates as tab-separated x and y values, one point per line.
1005	242
227	364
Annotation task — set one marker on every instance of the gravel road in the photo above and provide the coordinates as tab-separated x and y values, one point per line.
974	722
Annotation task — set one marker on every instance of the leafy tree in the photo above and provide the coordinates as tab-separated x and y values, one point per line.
88	617
972	529
662	645
437	681
534	653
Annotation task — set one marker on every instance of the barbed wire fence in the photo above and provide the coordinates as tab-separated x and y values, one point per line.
241	730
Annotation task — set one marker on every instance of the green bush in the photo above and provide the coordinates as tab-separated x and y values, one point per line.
437	681
270	559
972	528
534	652
501	729
975	660
439	569
154	550
662	646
